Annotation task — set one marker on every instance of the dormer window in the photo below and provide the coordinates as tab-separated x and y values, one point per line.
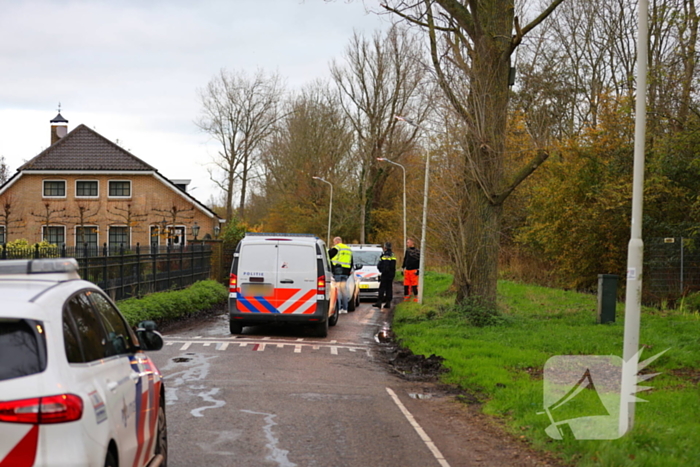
54	189
120	189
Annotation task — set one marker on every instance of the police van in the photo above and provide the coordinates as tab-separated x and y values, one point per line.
282	278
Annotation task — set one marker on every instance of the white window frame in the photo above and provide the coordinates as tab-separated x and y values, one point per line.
86	226
128	236
43	189
3	234
156	237
131	189
183	236
87	197
43	237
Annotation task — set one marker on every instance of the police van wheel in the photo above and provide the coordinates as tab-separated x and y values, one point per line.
321	329
235	328
110	461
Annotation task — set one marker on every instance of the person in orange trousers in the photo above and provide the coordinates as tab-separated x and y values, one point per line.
411	263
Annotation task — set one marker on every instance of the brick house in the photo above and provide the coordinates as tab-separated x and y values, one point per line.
86	190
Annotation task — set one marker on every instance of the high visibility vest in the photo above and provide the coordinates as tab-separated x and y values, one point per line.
343	257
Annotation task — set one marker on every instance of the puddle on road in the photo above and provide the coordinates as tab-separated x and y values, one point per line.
181	360
385	335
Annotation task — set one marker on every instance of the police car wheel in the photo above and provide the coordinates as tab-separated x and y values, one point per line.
235	328
333	320
162	439
351	304
110	461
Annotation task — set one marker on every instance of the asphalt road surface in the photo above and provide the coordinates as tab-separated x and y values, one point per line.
276	396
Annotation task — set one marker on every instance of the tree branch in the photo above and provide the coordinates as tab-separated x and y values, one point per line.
520	33
498	199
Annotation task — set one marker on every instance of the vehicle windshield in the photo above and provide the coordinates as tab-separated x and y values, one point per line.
22	347
366	257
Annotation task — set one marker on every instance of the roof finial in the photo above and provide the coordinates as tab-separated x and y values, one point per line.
59	107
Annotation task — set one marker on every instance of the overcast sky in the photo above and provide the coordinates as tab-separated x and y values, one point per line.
131	69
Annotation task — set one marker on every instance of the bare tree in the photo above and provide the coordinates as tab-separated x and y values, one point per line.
471	43
239	112
4	170
171	216
312	139
49	214
86	214
382	77
10	215
128	215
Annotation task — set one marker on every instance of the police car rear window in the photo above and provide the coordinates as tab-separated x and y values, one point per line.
22	348
364	258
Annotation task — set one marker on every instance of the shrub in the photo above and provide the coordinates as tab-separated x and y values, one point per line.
166	306
476	313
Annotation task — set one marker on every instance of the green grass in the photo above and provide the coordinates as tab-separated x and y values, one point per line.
503	365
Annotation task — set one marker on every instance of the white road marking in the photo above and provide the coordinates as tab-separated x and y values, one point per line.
423	435
260	345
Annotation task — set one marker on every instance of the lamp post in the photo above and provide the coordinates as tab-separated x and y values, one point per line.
195	230
421	267
635	248
330	209
384	159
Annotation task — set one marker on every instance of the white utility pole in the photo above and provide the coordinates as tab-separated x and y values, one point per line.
635	250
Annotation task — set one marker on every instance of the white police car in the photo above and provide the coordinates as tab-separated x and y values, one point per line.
76	388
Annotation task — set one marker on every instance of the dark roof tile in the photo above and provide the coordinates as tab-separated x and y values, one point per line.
85	149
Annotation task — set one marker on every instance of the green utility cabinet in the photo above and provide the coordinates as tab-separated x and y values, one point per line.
607	298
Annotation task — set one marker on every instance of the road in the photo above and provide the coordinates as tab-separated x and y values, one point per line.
276	396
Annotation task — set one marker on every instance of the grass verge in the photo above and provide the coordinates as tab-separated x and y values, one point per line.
503	365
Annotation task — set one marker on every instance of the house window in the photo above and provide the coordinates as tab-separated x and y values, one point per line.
86	189
2	235
176	235
86	234
54	188
54	235
155	235
118	236
119	189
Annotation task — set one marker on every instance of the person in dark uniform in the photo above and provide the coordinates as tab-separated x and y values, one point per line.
387	269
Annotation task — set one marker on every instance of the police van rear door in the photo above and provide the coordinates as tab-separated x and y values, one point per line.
297	274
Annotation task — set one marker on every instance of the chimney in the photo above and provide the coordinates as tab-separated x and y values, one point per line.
59	128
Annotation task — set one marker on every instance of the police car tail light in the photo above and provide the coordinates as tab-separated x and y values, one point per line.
42	410
233	284
321	285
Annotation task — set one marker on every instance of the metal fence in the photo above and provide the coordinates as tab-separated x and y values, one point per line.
129	271
672	268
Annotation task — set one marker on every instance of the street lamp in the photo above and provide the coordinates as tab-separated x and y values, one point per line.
635	248
384	159
330	209
421	267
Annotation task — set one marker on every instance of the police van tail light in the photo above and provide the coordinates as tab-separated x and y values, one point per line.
233	284
321	285
42	410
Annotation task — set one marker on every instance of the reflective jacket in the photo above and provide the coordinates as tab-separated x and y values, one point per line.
341	257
